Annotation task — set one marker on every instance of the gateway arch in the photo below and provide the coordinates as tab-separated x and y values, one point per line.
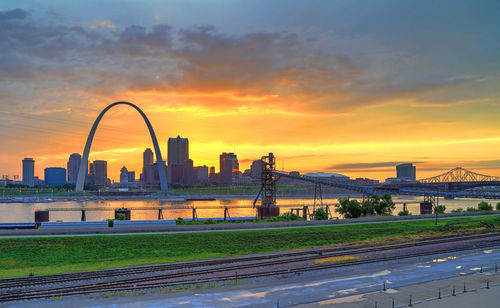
85	158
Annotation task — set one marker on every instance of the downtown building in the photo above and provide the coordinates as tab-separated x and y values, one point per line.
73	166
55	176
180	167
148	177
29	172
406	172
229	168
99	169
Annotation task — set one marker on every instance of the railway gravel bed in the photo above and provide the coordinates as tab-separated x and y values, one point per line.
286	263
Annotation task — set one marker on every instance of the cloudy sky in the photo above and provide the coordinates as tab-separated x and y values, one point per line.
352	87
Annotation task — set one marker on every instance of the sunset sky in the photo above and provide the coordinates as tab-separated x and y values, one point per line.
352	87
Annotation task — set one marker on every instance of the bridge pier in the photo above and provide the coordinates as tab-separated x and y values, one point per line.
41	216
195	215
226	214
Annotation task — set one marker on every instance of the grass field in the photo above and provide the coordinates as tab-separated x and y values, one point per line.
41	256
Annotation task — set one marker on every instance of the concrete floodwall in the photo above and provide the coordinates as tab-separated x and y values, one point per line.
17	225
74	225
142	223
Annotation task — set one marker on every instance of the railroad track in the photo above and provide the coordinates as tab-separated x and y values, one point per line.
135	284
228	272
36	280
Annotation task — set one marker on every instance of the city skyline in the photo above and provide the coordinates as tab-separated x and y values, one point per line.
337	92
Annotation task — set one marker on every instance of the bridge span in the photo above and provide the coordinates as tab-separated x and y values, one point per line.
270	176
386	189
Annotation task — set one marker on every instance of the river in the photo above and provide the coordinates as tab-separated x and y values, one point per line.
24	212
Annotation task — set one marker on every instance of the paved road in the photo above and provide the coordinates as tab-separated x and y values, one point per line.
344	285
138	232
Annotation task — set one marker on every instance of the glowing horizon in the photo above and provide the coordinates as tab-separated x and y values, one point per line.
331	90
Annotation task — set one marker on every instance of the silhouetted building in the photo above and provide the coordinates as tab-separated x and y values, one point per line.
212	176
73	166
229	168
200	174
37	181
176	173
178	150
123	175
28	171
55	176
406	171
188	172
178	155
256	169
148	168
131	176
100	172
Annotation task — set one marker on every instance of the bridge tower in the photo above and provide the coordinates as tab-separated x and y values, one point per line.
268	206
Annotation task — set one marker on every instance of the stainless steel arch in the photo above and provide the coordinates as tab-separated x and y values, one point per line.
85	158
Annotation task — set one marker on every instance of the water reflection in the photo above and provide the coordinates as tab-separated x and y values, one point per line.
24	212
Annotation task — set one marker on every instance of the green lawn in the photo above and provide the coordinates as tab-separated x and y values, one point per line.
19	257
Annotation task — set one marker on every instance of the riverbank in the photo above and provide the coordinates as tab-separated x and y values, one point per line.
42	256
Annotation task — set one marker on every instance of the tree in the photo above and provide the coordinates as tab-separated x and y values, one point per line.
69	186
378	205
439	209
484	206
498	206
348	208
320	214
90	187
386	205
368	205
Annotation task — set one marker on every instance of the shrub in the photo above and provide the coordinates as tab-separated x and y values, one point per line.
498	206
209	221
459	210
471	209
180	221
404	213
439	209
285	217
348	208
320	214
484	206
110	223
120	216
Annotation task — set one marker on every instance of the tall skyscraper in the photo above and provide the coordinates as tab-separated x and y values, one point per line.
178	157
406	171
73	166
229	168
100	172
148	167
28	171
178	150
55	176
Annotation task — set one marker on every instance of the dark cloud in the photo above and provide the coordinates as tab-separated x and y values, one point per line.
299	72
15	14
